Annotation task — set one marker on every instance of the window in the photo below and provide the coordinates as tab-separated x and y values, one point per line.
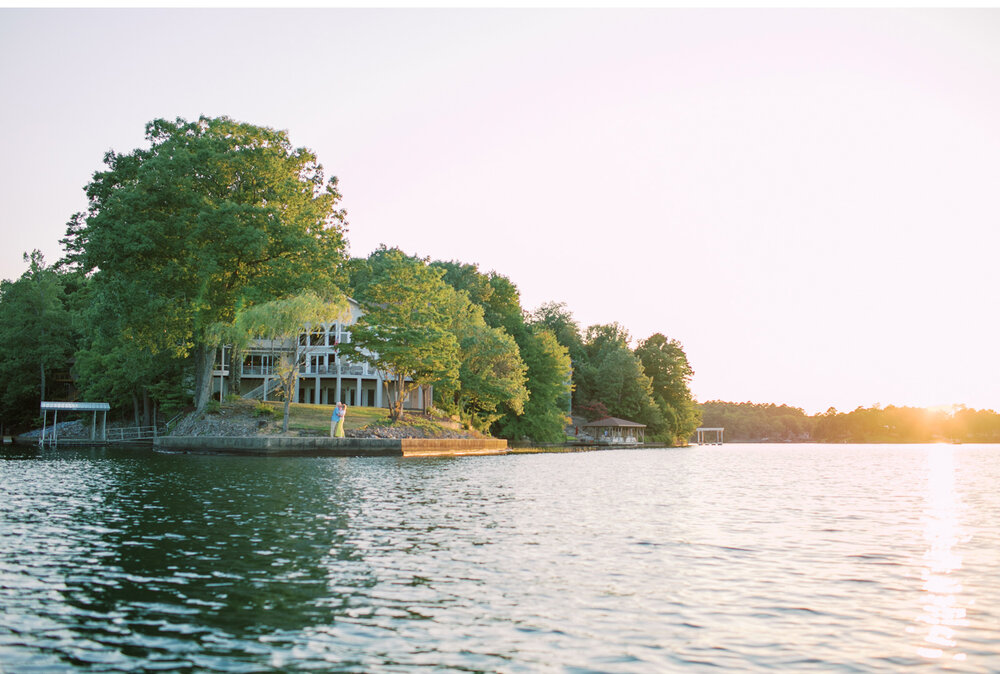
257	364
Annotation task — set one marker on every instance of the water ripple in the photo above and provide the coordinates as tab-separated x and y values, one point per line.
737	558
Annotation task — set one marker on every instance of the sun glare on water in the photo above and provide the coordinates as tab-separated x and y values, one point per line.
943	605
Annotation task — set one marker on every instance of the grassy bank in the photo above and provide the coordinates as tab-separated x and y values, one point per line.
234	418
316	418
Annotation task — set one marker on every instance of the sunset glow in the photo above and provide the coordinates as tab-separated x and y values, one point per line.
804	199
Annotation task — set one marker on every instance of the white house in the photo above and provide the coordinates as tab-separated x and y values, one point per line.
326	377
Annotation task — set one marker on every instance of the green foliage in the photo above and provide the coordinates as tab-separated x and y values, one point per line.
468	279
752	422
263	410
503	308
491	374
215	215
544	418
557	318
404	331
278	324
119	371
213	407
232	397
37	336
665	363
495	362
611	374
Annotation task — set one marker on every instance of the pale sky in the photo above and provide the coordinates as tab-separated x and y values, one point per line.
808	200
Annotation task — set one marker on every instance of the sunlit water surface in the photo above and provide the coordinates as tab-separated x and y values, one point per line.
734	558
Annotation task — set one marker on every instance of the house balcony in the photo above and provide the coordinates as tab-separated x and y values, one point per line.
344	370
250	371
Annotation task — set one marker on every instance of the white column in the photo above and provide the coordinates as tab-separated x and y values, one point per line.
339	388
357	394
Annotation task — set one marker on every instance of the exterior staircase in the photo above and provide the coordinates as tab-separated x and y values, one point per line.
259	393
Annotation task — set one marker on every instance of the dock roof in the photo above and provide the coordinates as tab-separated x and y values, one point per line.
614	422
75	407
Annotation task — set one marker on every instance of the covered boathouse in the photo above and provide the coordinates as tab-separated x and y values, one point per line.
615	431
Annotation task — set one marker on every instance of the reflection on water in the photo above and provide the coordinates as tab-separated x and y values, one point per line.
733	558
943	605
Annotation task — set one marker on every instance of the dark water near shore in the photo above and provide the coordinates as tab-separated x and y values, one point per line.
865	558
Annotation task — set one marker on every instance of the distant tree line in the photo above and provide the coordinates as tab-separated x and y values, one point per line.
221	230
753	422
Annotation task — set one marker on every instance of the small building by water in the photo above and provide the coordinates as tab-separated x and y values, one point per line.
709	436
616	431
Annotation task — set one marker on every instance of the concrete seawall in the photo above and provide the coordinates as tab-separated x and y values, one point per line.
320	446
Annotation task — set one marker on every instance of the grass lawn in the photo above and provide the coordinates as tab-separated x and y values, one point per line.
303	417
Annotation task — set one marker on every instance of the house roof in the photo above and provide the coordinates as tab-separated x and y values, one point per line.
614	422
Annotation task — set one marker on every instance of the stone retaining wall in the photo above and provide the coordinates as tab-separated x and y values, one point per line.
452	447
279	446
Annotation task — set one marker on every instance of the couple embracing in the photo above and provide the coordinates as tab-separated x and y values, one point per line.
337	420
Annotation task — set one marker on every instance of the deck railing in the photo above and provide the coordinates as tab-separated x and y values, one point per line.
135	433
257	371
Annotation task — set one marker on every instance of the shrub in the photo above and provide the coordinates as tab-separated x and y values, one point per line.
263	410
212	407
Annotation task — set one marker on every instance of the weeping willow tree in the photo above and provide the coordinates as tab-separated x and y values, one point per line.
276	326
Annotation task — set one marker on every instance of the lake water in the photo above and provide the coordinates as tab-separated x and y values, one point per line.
851	558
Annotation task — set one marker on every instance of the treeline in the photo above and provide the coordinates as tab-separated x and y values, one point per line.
752	422
220	228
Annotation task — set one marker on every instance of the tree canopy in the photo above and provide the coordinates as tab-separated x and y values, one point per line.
665	363
404	331
36	331
492	377
218	231
214	215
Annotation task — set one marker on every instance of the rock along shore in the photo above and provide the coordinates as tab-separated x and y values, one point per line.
324	446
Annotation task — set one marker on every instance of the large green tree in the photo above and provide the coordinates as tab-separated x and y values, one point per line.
405	329
557	318
214	215
491	376
545	413
665	363
35	330
613	376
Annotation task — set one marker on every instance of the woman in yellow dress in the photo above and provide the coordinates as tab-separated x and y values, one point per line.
339	412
